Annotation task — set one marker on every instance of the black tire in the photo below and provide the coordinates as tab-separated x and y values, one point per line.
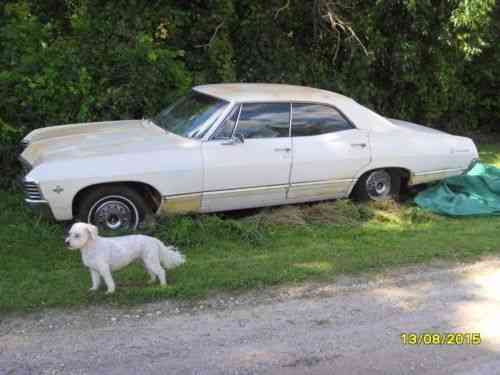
363	193
113	207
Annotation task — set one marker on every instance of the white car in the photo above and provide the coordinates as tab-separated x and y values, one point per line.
232	146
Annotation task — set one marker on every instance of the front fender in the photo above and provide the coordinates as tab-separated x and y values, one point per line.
167	172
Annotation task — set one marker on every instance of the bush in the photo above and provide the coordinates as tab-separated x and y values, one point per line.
87	60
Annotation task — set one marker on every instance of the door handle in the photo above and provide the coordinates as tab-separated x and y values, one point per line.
362	145
283	149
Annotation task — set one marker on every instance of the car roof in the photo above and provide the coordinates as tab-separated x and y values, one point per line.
269	92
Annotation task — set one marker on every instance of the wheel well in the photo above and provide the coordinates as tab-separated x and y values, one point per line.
403	173
151	195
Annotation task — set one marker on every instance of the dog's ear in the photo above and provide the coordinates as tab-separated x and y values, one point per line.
93	231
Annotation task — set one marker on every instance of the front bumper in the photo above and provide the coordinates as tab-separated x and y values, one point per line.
40	208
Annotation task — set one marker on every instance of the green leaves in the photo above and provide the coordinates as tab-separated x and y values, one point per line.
431	62
91	63
470	21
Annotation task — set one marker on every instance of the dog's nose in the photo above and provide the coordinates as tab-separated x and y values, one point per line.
66	242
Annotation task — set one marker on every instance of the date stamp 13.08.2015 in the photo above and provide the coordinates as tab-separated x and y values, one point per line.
435	338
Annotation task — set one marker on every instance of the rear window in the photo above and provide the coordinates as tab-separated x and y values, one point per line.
317	119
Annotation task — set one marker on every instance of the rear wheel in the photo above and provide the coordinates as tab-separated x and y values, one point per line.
378	185
113	207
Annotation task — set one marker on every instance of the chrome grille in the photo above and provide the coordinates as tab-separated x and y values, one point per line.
32	191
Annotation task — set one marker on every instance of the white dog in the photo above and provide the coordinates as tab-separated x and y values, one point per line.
104	255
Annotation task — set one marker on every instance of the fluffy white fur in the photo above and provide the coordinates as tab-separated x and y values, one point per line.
104	255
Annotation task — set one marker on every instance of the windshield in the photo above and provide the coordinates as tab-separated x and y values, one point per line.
192	115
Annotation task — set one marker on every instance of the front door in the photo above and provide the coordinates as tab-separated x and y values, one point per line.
248	160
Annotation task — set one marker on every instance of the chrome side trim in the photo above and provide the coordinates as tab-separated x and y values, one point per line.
249	190
235	199
319	189
230	199
425	177
323	182
180	204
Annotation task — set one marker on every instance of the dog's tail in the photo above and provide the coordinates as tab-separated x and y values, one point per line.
170	256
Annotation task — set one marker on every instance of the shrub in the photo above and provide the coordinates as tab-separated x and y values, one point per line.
87	60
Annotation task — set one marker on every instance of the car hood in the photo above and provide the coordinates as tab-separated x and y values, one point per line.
96	139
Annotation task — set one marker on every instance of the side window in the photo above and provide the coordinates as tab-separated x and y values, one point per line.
264	120
316	119
225	130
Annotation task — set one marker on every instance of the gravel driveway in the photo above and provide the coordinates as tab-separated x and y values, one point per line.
352	327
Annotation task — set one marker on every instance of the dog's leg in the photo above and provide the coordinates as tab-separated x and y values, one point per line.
159	272
152	264
105	273
96	280
152	276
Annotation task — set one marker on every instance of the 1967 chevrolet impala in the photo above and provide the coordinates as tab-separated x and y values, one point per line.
232	146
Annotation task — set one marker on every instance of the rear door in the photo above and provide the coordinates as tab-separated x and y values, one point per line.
328	151
254	172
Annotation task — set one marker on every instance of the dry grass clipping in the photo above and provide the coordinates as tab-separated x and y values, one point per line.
345	212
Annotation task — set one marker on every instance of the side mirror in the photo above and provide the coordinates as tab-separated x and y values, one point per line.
235	139
239	137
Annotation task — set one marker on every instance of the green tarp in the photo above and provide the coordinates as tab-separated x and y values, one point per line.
475	193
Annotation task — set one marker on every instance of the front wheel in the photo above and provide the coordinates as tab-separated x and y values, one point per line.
113	208
377	185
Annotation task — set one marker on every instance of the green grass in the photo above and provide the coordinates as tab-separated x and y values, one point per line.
490	154
269	247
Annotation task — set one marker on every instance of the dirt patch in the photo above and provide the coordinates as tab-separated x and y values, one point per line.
352	326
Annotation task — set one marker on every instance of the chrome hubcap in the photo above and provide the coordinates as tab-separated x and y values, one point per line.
378	185
114	214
